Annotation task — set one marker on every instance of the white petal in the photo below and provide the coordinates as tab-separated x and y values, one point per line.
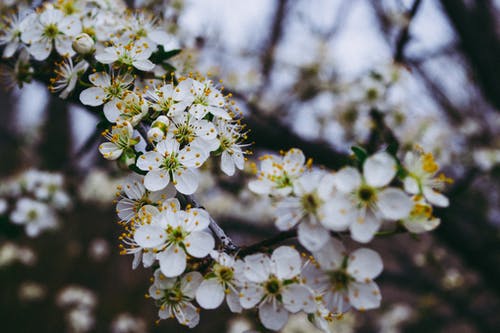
92	96
186	181
250	295
379	169
143	65
411	185
260	186
272	317
233	302
435	198
210	294
331	255
187	314
364	264
338	213
364	296
149	161
110	151
257	267
293	161
40	50
64	47
190	283
111	110
394	204
347	179
297	297
100	79
199	244
227	164
312	237
149	236
364	228
172	261
107	56
156	180
286	262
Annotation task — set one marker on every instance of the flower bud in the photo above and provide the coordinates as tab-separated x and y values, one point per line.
83	44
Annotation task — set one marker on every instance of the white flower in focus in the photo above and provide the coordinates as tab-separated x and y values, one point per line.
135	196
142	26
132	108
188	130
175	296
207	99
421	219
173	234
67	76
305	208
370	200
230	146
421	179
277	174
171	100
134	54
222	282
10	36
274	285
34	215
51	28
120	139
169	163
345	281
108	90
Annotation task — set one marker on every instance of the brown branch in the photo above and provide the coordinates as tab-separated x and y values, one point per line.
404	35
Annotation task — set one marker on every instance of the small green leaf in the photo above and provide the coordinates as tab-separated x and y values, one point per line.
360	154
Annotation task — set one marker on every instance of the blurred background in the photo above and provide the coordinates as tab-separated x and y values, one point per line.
306	74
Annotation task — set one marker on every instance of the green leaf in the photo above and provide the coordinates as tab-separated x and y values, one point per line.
360	154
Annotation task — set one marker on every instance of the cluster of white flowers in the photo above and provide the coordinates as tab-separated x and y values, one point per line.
33	199
79	304
163	128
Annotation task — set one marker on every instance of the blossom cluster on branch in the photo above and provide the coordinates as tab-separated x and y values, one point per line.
34	199
163	127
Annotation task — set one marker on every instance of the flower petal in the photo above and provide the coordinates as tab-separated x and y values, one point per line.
210	294
199	244
394	204
364	264
286	262
272	316
156	180
172	261
312	237
149	236
379	169
347	179
364	296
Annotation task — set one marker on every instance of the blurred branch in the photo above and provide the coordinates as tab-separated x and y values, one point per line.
476	25
267	58
404	35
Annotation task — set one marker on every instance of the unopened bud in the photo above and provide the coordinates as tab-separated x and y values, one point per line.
83	44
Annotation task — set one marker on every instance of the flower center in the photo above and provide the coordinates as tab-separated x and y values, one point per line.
310	203
176	235
366	194
51	30
340	279
32	214
273	286
184	134
225	274
171	163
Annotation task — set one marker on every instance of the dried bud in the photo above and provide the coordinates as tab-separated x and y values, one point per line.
83	44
